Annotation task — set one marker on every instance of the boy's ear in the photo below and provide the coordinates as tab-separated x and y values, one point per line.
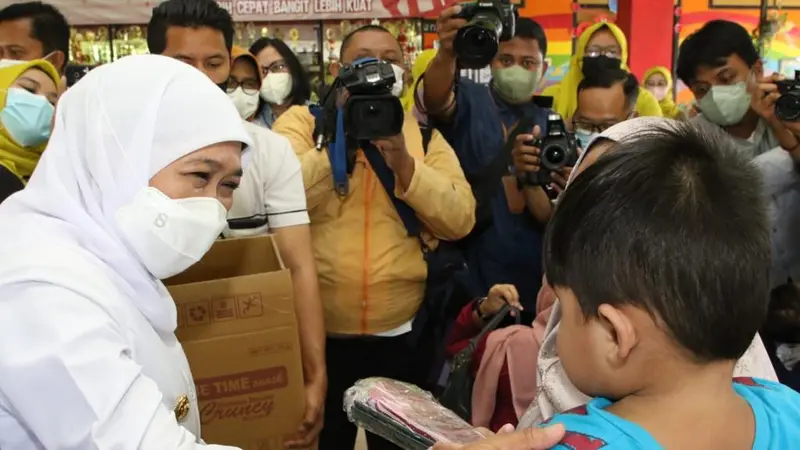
620	333
57	59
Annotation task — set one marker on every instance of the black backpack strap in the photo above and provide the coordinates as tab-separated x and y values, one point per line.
386	176
492	325
427	135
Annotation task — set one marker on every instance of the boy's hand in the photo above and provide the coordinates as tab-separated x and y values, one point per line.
499	296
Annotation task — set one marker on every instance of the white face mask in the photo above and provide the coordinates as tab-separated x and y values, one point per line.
659	92
246	104
276	87
169	235
397	87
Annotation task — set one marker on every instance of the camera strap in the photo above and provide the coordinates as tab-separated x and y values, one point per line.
387	179
337	153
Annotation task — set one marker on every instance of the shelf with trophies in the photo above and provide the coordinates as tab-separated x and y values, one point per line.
102	44
90	45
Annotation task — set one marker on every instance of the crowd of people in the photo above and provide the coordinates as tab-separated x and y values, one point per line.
652	280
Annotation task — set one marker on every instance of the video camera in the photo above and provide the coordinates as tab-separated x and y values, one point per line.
488	23
558	149
371	111
788	105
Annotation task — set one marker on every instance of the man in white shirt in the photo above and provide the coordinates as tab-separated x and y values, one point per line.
271	195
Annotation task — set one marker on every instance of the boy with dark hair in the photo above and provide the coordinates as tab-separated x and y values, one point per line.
660	298
33	30
721	66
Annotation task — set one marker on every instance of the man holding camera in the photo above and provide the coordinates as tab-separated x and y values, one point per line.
505	246
372	269
721	66
605	98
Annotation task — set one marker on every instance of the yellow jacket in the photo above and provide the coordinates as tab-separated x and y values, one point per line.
371	273
565	93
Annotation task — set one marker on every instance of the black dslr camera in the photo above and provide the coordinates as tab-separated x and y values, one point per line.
371	111
558	149
488	23
788	105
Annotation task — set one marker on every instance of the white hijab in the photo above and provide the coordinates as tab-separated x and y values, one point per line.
555	393
114	130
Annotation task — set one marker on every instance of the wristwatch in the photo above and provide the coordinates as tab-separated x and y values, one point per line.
476	307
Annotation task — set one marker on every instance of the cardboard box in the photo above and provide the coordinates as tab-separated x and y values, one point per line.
237	324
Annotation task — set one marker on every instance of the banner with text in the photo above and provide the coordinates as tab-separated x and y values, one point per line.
102	12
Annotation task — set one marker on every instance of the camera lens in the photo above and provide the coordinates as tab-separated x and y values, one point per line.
477	42
555	156
788	106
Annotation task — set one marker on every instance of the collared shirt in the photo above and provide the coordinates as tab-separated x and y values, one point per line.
761	141
272	184
509	251
782	188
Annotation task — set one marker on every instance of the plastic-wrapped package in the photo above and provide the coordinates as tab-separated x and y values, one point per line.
405	415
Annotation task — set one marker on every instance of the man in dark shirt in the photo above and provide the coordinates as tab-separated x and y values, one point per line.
505	247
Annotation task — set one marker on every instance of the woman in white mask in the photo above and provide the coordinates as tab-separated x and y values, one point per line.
285	81
244	83
133	188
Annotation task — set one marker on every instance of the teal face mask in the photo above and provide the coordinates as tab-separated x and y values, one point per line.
27	117
584	137
516	84
725	105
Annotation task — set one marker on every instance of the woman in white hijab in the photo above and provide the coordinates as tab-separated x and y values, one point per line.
132	188
555	393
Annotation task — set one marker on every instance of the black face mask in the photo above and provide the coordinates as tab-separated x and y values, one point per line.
594	64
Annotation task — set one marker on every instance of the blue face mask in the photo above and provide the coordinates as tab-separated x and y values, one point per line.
27	117
584	137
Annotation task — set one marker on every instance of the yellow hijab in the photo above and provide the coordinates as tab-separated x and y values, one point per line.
565	93
668	106
421	64
20	160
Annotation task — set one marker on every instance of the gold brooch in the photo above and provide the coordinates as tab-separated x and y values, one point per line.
182	408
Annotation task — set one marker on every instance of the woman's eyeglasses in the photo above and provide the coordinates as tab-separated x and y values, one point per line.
250	86
611	52
276	67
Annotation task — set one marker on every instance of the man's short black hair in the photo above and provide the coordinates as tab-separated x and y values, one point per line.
711	46
611	77
352	34
671	221
530	29
48	25
301	86
189	14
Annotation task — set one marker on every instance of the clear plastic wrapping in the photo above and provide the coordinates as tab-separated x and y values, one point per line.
405	415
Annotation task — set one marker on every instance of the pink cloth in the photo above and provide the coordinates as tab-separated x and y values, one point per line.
518	346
